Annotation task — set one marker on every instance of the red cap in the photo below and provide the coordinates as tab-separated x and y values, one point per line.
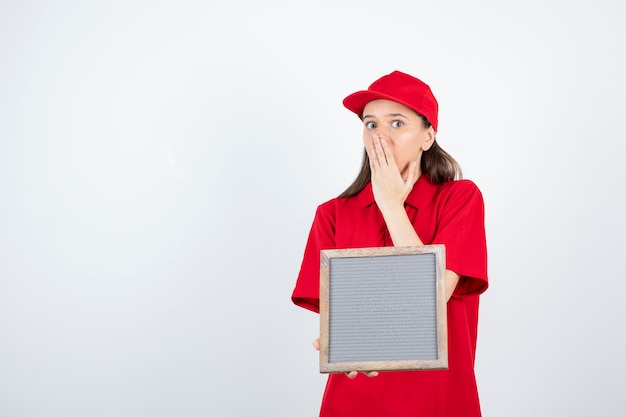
401	88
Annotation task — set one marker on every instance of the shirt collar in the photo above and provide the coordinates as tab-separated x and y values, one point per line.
420	196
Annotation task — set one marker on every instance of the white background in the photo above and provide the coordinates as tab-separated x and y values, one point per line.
161	162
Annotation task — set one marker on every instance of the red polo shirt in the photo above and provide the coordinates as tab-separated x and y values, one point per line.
451	213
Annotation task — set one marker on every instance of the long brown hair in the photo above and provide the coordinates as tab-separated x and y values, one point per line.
435	162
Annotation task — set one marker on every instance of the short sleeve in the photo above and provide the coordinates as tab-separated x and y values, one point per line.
321	236
461	228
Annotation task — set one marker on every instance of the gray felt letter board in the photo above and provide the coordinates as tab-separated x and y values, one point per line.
383	309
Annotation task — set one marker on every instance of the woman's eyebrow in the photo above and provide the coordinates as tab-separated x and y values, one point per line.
387	115
397	115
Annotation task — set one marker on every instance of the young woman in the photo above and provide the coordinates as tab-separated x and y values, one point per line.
408	193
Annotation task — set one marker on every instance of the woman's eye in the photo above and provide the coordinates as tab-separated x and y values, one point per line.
396	123
370	125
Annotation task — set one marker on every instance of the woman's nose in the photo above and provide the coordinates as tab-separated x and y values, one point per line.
382	132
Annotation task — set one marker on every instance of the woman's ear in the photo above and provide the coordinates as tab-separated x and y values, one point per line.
430	139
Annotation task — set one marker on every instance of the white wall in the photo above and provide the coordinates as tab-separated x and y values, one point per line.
161	161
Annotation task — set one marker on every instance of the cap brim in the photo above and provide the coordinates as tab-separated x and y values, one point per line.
356	102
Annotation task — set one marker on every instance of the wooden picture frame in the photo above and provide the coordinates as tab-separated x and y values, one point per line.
383	309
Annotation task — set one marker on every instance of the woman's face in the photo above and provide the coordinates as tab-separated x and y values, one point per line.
401	127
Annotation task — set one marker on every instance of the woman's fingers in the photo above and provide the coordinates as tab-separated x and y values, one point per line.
372	155
353	374
378	154
388	154
386	175
383	158
316	344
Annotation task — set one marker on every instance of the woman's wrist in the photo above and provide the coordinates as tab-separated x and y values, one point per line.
392	210
400	229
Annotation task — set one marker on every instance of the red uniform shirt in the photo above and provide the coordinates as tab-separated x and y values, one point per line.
451	213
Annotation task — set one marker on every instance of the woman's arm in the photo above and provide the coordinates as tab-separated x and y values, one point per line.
390	192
